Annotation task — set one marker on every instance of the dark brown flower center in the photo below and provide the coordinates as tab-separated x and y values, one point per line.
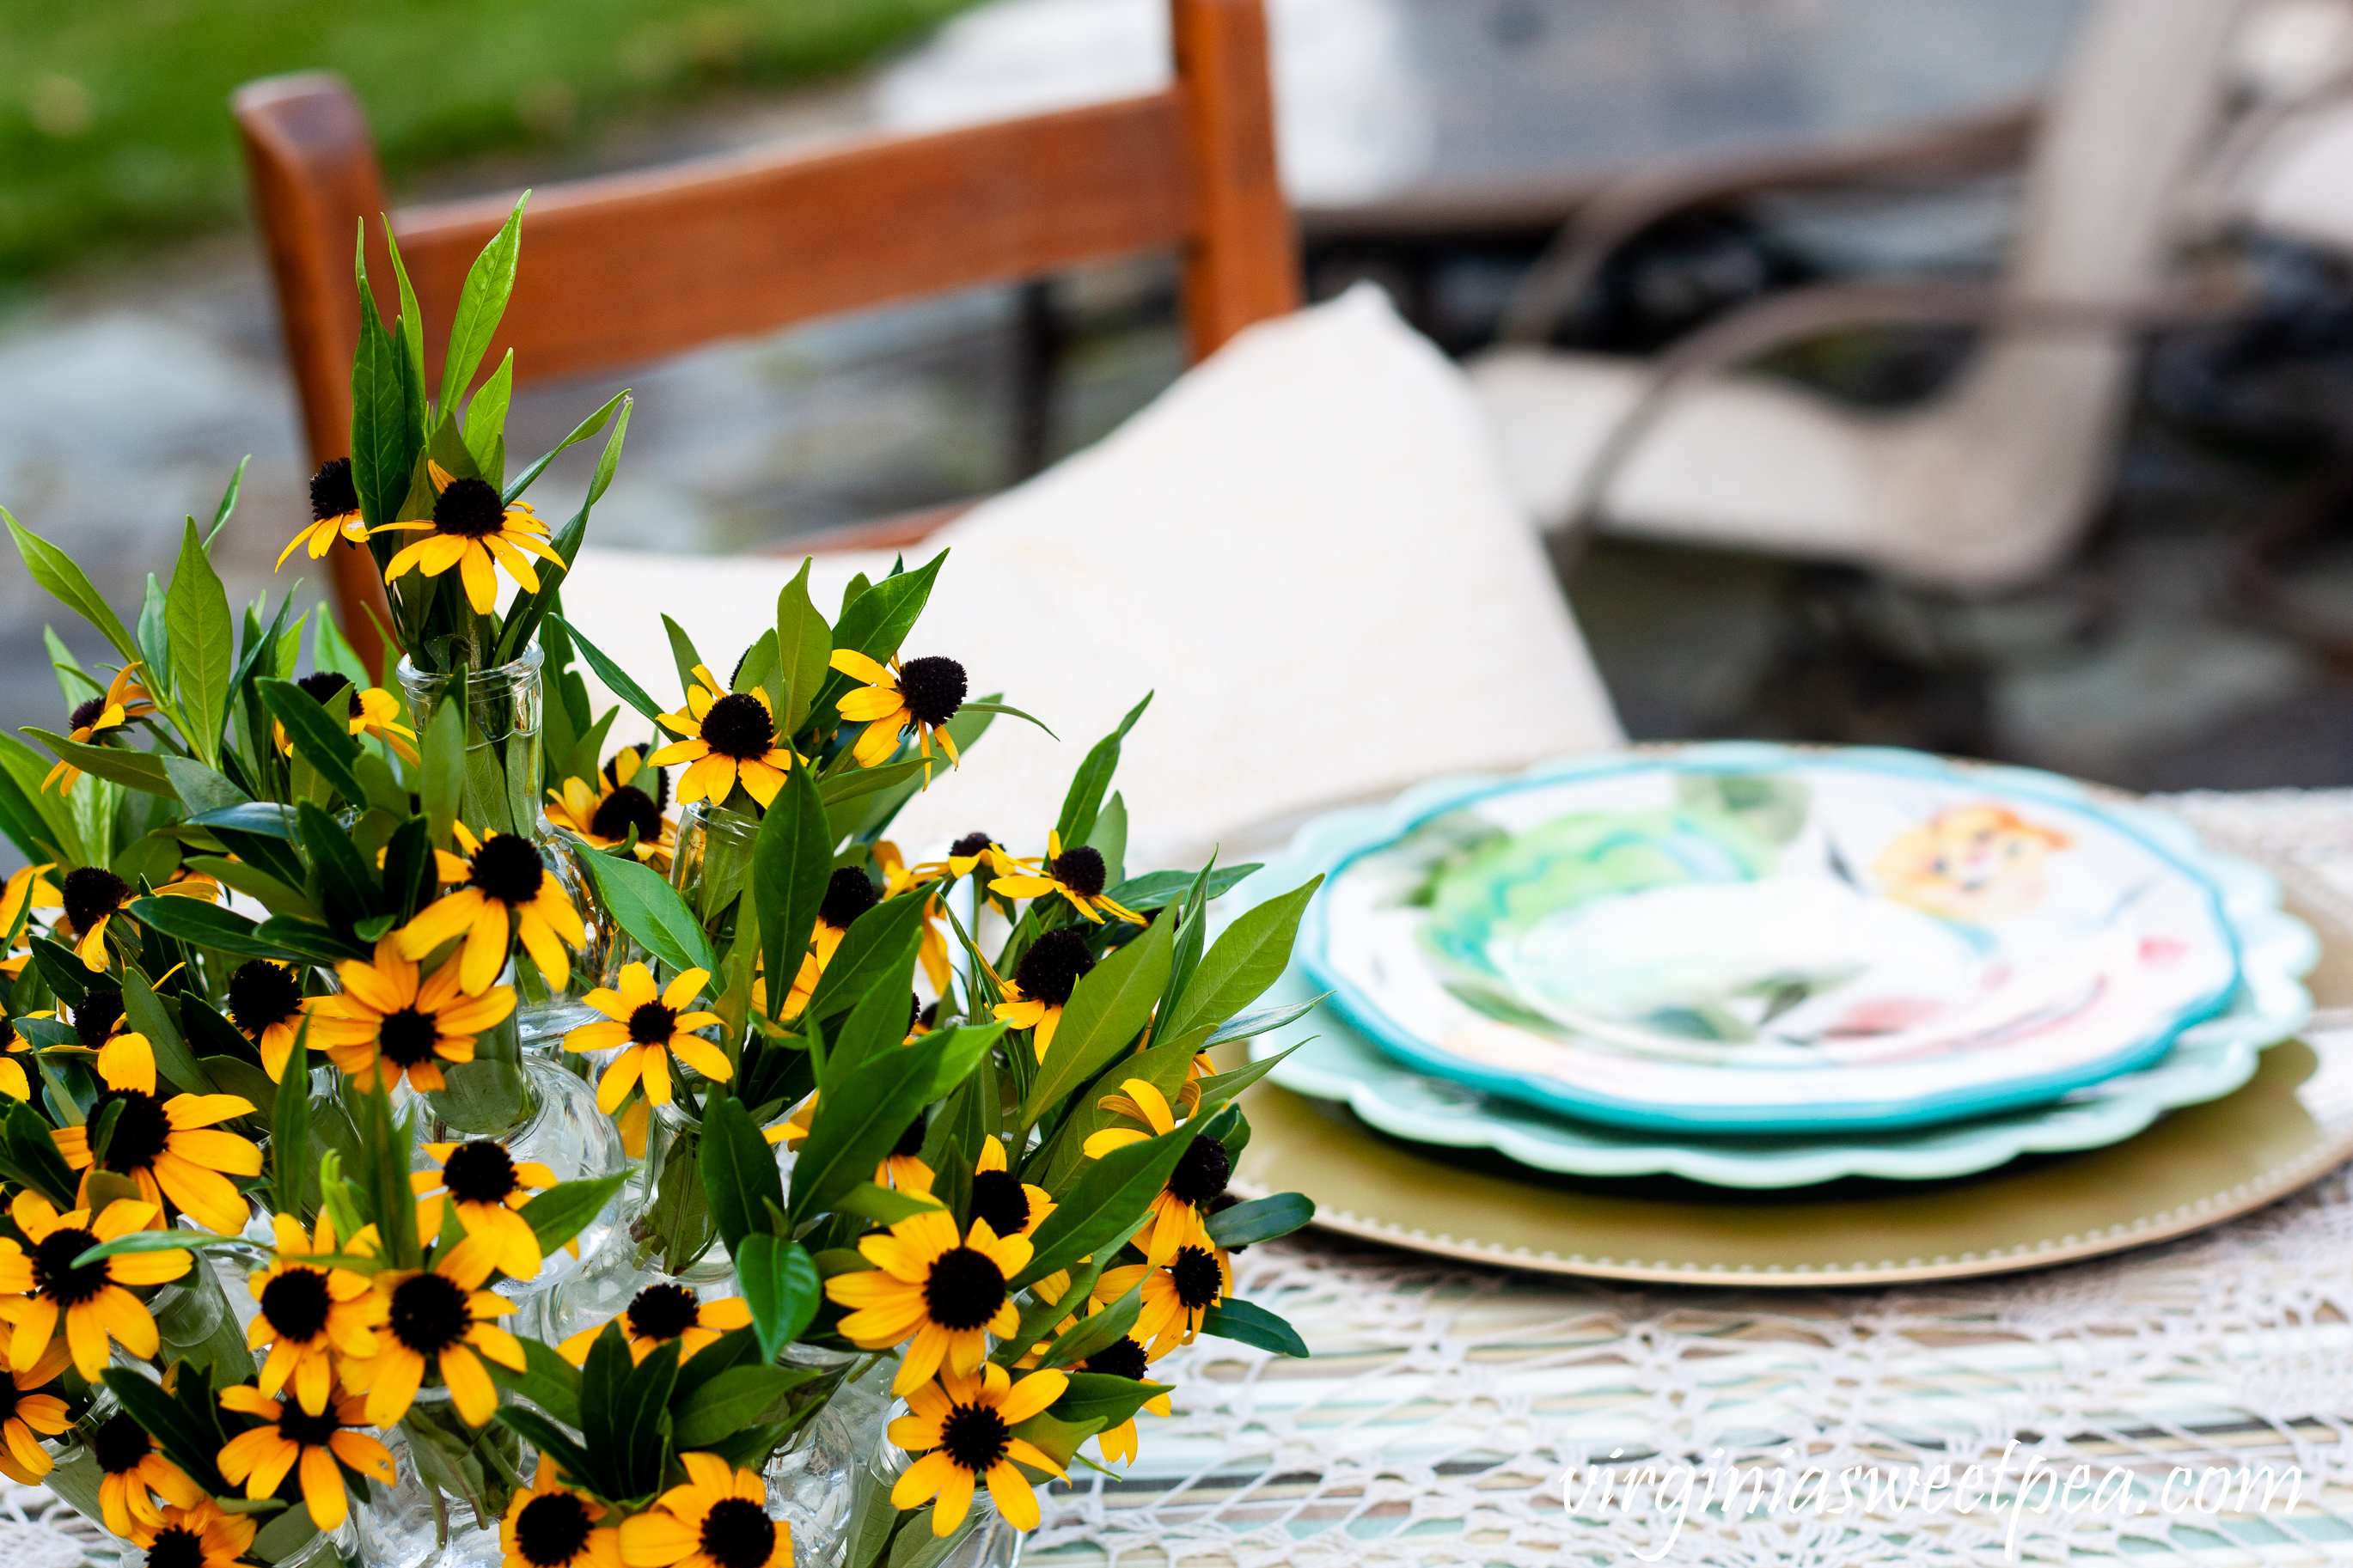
651	780
325	686
627	807
975	1436
738	1533
97	1014
1081	871
118	1444
507	867
552	1528
997	1197
85	714
296	1304
1122	1358
970	845
663	1311
1052	967
298	1425
1202	1172
469	507
652	1024
1193	1272
90	894
740	726
331	491
933	689
849	895
262	994
964	1289
429	1313
478	1173
911	1142
141	1128
55	1276
176	1546
405	1037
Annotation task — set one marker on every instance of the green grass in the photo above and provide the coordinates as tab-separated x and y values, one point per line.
114	128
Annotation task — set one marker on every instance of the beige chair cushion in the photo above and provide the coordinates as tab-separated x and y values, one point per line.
1307	547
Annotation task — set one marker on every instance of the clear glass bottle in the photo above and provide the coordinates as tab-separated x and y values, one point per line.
424	1516
504	793
661	1209
713	858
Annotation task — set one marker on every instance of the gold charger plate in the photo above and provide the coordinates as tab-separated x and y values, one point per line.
2291	1124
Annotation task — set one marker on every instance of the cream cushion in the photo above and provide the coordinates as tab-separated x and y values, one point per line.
1307	547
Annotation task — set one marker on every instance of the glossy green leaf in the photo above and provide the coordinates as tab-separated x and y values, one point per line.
649	910
1261	1219
615	679
1108	1008
791	860
481	303
547	1380
1093	780
55	571
782	1286
739	1169
803	643
1253	1325
1248	957
204	644
568	1208
141	771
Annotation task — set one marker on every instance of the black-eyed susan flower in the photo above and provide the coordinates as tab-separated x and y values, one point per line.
944	1292
1011	1205
334	513
1201	1175
171	1148
962	1427
93	721
475	531
1077	874
922	694
27	889
965	856
624	794
28	1415
848	895
312	1311
133	1473
1175	1296
899	878
373	712
718	1519
549	1525
902	1169
92	895
726	738
39	1288
439	1319
200	1536
266	1004
411	1026
486	1186
650	1025
316	1448
99	1017
508	895
1042	982
1124	1357
660	1313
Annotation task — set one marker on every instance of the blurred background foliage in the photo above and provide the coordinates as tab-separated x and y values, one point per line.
114	126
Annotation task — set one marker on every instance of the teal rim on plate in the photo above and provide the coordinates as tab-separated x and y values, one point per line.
2159	952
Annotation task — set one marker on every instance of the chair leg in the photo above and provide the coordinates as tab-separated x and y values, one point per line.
1038	351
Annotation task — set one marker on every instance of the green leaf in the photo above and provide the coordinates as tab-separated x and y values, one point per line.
803	643
682	654
792	861
54	570
1105	1398
1234	1318
979	706
1110	1004
200	789
202	924
155	635
1111	1197
739	1169
782	1286
1241	964
876	621
319	739
141	771
1261	1219
486	420
186	1442
650	911
882	1205
35	1156
544	1435
443	756
547	1380
204	644
877	1024
879	945
867	781
615	680
1264	1020
228	500
156	1241
383	1176
384	434
1093	778
737	1398
581	432
1103	1331
864	1113
481	303
149	1016
565	1209
1221	1089
290	1128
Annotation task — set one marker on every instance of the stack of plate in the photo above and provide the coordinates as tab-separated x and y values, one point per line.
1761	968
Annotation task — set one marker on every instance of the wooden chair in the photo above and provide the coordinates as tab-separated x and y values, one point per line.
624	268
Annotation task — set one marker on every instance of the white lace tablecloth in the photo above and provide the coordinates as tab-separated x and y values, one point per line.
1445	1402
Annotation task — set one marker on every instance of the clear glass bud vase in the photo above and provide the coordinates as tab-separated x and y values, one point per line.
504	793
713	860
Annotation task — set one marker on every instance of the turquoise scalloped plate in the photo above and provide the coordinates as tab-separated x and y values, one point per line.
1396	1090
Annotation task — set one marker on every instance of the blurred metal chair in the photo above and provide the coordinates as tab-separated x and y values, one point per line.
1987	486
626	268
